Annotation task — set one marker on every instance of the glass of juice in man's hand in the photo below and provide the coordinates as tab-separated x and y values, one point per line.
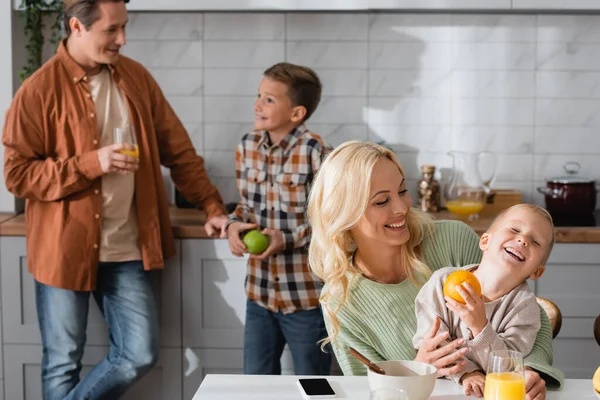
505	379
126	135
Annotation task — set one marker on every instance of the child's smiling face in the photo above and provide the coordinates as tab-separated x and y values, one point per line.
520	241
273	108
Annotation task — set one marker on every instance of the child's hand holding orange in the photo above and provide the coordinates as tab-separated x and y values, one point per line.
462	292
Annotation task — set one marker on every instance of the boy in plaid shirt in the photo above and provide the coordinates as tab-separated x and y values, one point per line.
275	165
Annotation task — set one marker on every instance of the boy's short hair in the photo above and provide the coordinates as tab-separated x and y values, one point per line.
303	85
538	210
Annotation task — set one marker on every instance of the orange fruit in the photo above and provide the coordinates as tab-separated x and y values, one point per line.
596	380
457	278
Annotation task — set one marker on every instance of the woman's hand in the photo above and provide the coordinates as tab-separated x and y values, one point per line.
444	358
534	385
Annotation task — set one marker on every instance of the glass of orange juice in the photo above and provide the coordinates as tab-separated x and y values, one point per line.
505	379
126	135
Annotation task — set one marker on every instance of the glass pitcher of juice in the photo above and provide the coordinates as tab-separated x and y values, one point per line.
505	379
467	190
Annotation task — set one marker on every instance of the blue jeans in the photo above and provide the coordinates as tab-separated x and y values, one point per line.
124	295
267	332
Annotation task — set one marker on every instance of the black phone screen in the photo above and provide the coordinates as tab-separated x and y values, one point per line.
316	387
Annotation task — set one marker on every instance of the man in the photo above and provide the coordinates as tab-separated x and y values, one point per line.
97	219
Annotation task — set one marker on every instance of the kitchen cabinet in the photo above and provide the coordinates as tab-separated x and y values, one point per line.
571	280
214	309
23	373
20	325
555	5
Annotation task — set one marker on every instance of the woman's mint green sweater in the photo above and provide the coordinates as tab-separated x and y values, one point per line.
379	319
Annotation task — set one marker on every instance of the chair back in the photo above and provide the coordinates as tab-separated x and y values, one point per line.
597	329
554	315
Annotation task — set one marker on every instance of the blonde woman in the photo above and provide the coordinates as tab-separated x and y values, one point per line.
373	251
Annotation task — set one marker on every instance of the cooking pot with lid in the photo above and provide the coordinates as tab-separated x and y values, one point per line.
571	194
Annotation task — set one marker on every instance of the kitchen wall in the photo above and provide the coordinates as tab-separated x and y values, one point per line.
524	86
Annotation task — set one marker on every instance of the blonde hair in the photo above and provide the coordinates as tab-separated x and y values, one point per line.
338	199
535	209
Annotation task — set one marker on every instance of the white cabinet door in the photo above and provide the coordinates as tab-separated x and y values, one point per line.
555	4
571	281
213	296
220	361
20	324
23	374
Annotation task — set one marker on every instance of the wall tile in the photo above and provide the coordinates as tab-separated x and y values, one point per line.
165	53
225	136
413	56
336	134
515	112
494	56
327	26
427	111
349	110
418	28
568	112
229	109
232	81
574	84
187	108
165	26
411	83
553	56
489	28
512	84
567	140
412	138
244	26
328	54
568	28
243	54
180	81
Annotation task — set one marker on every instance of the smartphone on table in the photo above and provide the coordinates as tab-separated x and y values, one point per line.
316	388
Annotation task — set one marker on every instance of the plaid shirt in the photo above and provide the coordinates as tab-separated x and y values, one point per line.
273	181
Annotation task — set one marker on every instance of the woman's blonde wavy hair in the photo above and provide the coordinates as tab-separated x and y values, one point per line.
338	199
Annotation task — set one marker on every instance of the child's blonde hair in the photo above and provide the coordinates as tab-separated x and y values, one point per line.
535	209
338	200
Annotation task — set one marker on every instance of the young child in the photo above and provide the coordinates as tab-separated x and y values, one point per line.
506	316
275	165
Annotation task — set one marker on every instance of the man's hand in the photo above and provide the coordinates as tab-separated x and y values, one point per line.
113	161
474	383
535	386
236	245
276	244
473	312
215	226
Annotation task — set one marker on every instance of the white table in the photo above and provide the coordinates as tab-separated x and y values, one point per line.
284	387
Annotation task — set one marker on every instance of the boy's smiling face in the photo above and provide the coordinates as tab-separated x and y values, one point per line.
273	109
519	242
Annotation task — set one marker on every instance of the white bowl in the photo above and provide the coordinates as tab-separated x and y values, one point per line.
417	379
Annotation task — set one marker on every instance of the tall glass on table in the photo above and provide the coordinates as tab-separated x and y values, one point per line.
126	135
505	379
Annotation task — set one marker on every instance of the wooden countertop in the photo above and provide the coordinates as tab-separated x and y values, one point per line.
186	223
189	224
